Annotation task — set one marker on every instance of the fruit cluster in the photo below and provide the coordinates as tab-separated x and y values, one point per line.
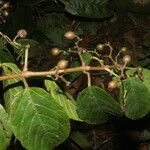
114	67
107	63
4	11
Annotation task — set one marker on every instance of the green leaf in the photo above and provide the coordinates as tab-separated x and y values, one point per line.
86	26
56	36
5	55
34	47
5	129
11	86
87	57
95	105
80	139
136	98
87	8
38	121
68	104
146	78
125	6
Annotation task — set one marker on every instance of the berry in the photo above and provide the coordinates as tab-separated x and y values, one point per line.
56	51
100	47
113	84
70	35
126	59
140	69
62	64
6	5
5	13
124	49
22	33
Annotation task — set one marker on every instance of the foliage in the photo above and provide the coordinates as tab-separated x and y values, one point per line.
5	129
35	116
136	98
64	100
96	106
41	117
12	86
87	8
5	55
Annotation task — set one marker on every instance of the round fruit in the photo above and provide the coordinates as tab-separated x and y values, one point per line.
124	49
126	59
140	69
56	51
113	84
100	47
22	33
6	5
70	35
62	64
5	13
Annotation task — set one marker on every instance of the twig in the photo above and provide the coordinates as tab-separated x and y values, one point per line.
99	60
110	53
88	78
25	83
111	72
116	58
25	68
122	70
65	81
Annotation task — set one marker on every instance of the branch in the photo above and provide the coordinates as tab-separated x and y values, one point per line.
27	74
